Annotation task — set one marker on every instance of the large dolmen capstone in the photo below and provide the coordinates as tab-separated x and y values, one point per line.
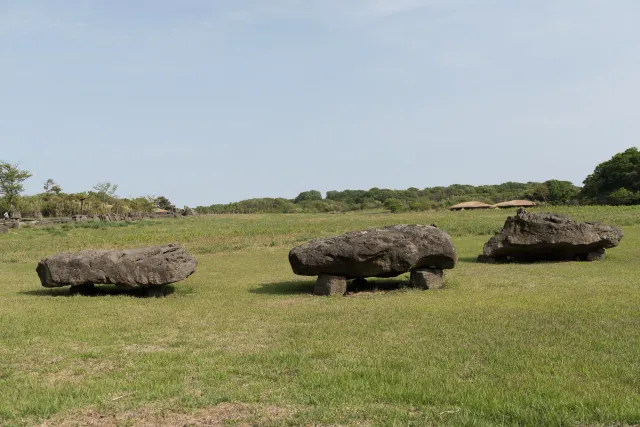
133	268
377	252
529	237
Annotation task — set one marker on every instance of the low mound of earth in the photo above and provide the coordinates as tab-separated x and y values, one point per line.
377	252
133	268
529	237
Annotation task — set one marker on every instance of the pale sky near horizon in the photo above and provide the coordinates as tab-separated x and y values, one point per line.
217	101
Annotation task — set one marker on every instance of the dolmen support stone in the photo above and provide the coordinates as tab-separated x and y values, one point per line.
377	252
149	267
529	237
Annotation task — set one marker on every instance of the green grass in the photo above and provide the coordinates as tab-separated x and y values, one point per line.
243	341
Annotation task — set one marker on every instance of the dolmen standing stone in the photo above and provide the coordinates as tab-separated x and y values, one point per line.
150	267
425	251
529	237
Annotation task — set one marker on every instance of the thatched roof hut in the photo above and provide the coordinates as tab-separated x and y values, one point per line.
469	205
515	204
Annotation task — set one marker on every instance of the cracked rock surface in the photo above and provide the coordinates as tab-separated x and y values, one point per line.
375	252
530	237
134	268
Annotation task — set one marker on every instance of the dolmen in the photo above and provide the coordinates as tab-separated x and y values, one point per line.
150	268
425	251
529	237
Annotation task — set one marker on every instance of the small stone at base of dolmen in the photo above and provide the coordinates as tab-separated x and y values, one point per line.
4	229
132	268
427	278
328	285
595	256
529	237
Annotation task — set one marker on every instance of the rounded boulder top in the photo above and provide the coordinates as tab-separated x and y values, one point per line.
376	252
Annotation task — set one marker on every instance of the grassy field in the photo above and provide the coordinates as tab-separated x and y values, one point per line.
243	341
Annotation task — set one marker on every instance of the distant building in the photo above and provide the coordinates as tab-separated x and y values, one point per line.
515	204
469	205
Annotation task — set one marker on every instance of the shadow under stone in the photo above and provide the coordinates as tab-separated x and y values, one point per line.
103	291
285	288
378	285
353	286
469	259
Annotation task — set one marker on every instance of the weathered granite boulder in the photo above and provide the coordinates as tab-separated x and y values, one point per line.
4	229
153	266
529	237
377	252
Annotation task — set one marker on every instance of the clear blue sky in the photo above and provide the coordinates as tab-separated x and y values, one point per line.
212	101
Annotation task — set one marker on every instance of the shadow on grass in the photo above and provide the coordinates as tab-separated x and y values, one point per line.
377	285
469	259
285	288
307	287
104	291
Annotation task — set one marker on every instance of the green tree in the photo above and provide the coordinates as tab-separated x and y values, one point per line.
141	204
105	190
621	171
622	196
50	186
538	192
162	202
308	195
394	205
561	191
11	179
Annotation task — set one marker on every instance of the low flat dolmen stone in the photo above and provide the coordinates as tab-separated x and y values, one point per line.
377	252
132	268
529	237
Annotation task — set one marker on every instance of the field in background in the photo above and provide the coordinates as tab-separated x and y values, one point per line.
244	341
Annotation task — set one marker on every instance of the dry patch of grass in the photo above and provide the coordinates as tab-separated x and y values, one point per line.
138	348
223	414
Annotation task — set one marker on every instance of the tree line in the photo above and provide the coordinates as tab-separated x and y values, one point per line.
411	199
613	182
54	202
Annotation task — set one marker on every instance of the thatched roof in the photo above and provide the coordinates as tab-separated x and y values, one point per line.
470	205
515	204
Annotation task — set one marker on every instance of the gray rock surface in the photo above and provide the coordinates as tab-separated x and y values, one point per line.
330	285
4	229
376	252
151	266
427	278
529	237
